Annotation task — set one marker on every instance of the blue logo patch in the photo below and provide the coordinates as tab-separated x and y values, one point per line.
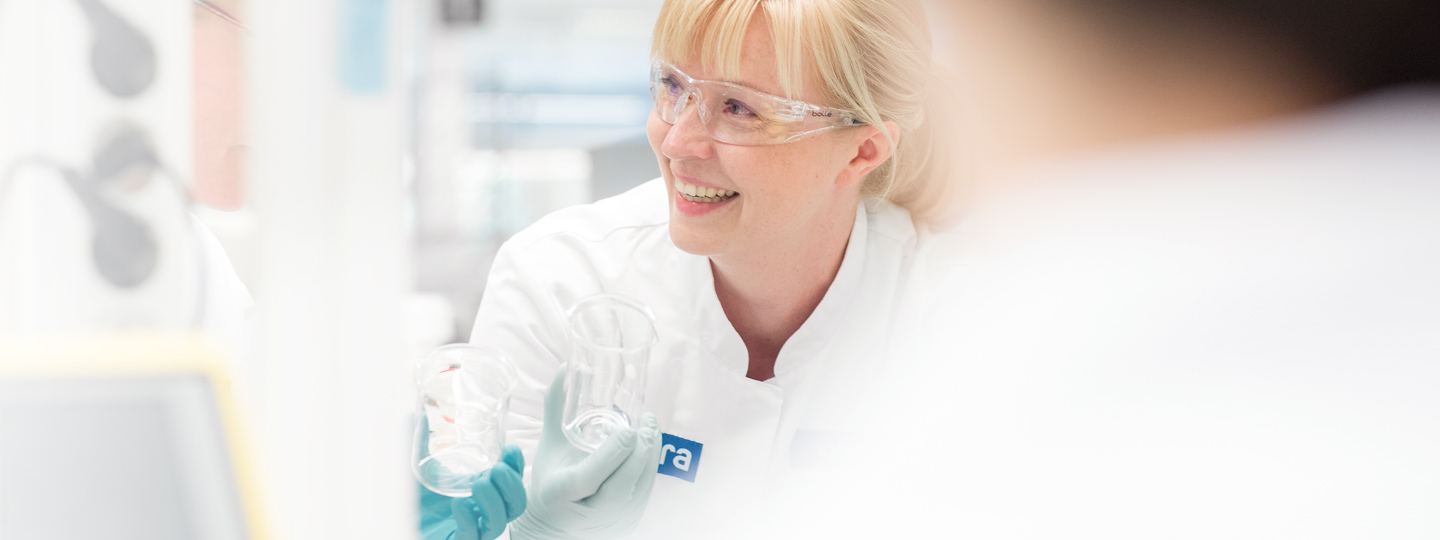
679	457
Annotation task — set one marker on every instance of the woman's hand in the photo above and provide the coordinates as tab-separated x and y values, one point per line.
597	495
496	498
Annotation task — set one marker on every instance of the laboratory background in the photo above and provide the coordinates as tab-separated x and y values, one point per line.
230	227
232	232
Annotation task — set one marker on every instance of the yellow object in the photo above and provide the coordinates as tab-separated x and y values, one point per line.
147	354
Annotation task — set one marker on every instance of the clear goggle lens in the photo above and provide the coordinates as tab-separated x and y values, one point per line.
734	114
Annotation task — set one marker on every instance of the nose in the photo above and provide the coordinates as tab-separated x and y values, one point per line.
687	137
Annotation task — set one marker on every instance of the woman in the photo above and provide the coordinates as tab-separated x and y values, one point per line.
777	252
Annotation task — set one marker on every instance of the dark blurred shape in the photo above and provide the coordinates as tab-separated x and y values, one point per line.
1363	45
124	248
127	152
122	57
460	13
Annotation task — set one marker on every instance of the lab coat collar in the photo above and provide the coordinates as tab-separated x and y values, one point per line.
819	330
724	343
721	340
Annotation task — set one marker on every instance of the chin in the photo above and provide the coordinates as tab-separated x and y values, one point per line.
694	242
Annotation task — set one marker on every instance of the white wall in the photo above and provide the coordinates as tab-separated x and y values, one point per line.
326	171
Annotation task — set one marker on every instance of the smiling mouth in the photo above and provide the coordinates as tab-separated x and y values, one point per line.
694	193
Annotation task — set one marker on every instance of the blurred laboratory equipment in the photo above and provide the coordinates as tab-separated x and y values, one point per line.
460	428
605	377
522	107
121	56
95	232
147	424
123	247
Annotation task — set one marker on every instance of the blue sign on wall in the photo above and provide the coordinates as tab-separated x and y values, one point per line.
363	46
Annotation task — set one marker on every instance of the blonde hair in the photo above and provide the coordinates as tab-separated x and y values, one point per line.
871	57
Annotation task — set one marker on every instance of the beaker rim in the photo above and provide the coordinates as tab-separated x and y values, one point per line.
488	355
618	299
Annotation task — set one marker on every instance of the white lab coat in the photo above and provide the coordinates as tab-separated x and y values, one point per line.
753	433
225	305
1233	336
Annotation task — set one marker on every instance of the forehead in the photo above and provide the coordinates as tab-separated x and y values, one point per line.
736	42
758	67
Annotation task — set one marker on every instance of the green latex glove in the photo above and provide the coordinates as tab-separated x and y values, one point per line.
496	497
578	495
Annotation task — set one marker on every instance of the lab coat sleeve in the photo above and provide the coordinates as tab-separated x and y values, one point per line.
522	316
226	307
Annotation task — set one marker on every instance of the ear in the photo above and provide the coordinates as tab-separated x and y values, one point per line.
871	153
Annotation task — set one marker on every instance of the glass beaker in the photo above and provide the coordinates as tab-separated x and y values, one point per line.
460	432
605	376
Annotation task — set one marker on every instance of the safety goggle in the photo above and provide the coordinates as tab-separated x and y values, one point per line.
734	114
220	12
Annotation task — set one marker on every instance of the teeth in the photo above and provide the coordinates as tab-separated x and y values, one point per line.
702	194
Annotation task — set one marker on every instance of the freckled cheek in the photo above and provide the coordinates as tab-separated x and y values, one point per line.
798	171
773	176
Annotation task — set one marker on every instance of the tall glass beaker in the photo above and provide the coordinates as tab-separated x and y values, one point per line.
605	376
460	432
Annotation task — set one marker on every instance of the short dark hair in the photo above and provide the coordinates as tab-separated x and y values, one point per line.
1361	44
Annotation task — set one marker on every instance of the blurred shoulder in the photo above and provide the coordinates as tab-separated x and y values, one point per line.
921	243
640	212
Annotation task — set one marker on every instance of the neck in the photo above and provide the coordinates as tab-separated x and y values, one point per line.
768	295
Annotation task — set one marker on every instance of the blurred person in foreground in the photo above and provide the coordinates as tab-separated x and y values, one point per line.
1200	294
218	37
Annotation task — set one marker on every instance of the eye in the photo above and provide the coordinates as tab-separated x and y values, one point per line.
738	109
672	85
